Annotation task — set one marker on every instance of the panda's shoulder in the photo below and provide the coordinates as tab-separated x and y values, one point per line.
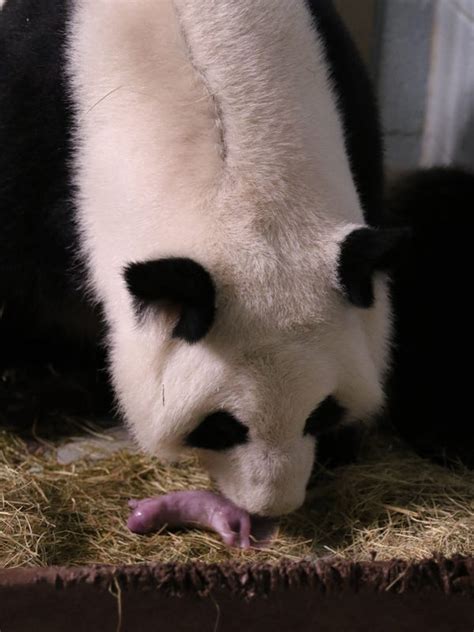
357	106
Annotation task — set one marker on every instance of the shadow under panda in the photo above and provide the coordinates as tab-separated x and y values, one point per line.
429	386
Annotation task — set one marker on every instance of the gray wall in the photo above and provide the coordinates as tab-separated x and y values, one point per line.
449	130
403	47
421	55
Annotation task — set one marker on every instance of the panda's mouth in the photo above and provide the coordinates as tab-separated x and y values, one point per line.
205	510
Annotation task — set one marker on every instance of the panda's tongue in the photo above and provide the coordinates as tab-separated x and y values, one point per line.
201	509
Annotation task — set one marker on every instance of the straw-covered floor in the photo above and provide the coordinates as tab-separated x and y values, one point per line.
391	504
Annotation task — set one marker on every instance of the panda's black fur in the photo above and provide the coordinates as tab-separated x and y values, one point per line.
43	305
44	315
429	386
357	107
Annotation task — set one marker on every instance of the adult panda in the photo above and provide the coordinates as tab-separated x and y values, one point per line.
207	175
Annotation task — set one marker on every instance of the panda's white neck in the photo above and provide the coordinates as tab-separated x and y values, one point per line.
241	83
187	109
264	67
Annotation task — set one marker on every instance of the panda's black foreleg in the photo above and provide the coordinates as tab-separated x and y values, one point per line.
430	383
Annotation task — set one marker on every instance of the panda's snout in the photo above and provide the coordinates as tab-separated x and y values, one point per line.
272	505
266	496
264	480
281	508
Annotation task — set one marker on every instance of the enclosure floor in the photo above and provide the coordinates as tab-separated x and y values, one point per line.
64	502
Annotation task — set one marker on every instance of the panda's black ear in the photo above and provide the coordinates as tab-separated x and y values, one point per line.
180	282
364	252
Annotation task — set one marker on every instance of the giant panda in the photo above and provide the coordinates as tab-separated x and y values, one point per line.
198	184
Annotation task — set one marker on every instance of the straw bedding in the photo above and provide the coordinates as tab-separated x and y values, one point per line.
392	504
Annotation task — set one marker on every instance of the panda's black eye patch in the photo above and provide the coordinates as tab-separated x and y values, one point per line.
219	431
327	415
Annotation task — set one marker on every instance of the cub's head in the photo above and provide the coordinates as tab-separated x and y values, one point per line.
246	364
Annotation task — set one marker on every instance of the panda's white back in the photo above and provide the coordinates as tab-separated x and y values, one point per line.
198	132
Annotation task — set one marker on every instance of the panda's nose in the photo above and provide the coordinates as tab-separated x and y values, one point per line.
281	507
269	503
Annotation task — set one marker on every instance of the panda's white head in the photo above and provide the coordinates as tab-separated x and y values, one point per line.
245	365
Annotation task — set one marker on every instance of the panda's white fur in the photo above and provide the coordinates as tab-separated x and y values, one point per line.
208	129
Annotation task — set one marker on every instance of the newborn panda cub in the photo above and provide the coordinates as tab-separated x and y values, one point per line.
221	177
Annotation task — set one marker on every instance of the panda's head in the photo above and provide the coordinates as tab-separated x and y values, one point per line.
246	364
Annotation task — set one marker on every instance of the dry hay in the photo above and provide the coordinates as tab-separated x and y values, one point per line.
392	504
